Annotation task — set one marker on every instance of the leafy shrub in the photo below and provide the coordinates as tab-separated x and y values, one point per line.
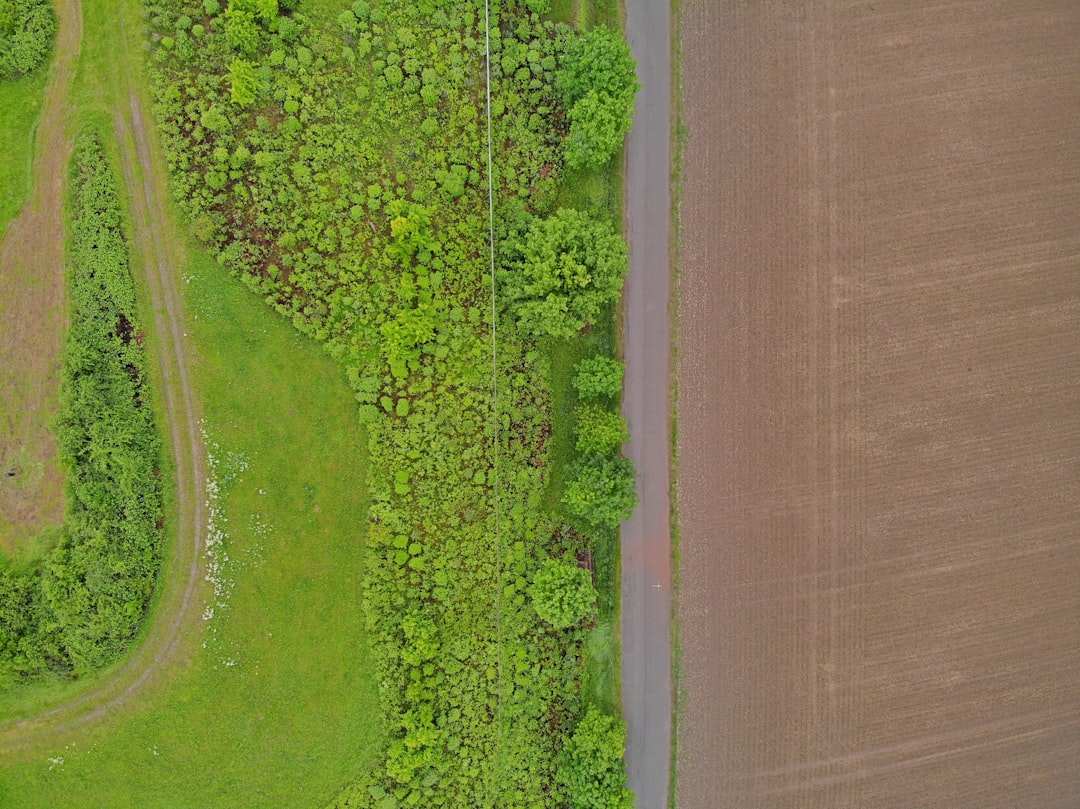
243	82
242	31
601	492
598	376
564	269
598	83
27	30
591	766
562	593
599	430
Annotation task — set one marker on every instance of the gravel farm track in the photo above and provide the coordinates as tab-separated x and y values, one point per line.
879	405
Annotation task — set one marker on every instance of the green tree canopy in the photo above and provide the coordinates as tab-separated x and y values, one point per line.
243	82
242	31
598	376
562	271
591	766
601	492
597	82
599	430
27	29
562	593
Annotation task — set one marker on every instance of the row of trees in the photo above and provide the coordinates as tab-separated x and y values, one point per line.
597	82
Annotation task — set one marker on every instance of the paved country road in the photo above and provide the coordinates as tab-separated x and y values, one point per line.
646	537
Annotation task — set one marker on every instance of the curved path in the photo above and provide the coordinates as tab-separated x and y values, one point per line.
177	615
646	537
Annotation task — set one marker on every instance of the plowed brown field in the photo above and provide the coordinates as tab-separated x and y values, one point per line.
879	407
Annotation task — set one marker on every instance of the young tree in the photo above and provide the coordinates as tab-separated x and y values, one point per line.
241	31
591	765
564	269
598	376
410	230
562	593
601	492
243	82
599	430
597	82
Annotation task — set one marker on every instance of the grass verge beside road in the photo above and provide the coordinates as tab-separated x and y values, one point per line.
588	189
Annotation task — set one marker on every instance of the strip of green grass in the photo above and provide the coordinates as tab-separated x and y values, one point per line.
584	14
278	707
592	190
20	101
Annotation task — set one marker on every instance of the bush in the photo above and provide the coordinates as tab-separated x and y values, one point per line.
562	593
598	376
600	430
591	766
601	492
559	275
243	83
598	83
27	30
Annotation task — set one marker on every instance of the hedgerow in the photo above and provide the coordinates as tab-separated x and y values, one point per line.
27	30
338	166
78	609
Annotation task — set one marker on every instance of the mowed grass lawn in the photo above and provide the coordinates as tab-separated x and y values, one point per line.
20	104
278	708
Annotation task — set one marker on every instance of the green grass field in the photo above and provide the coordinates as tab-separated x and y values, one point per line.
278	707
20	101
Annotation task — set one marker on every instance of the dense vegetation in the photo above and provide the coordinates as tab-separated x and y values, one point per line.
337	163
27	29
78	608
597	84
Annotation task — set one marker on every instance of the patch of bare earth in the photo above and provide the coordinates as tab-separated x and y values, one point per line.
32	320
879	405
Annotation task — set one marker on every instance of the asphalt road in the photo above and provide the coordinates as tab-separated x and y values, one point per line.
646	537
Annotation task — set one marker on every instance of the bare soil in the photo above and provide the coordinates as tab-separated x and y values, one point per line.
879	405
32	320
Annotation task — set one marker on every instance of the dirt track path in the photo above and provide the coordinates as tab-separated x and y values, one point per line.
32	306
177	617
646	537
